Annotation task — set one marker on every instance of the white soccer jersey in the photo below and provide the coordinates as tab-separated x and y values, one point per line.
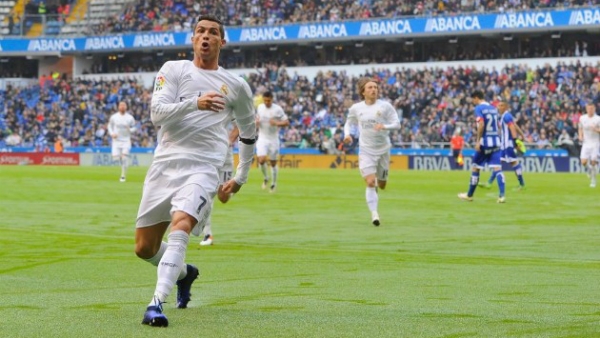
122	125
189	133
267	132
366	116
590	136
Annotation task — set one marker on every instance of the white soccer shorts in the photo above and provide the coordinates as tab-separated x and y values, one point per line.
120	148
590	152
178	185
374	164
267	148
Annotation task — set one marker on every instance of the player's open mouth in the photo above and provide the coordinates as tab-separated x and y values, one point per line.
205	46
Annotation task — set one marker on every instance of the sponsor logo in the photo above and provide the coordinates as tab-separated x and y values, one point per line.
51	45
452	24
432	163
154	40
335	30
524	20
342	162
58	160
585	17
392	27
263	34
39	159
538	164
160	82
108	42
107	160
15	159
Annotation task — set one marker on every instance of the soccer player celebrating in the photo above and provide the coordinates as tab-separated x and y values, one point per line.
589	136
269	117
487	146
120	127
193	102
512	135
374	118
225	174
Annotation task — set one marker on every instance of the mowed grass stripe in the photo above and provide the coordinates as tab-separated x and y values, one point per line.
305	261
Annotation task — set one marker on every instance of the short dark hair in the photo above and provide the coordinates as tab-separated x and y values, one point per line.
213	18
477	94
268	94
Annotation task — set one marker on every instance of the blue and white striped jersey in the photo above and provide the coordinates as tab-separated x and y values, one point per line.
507	140
491	129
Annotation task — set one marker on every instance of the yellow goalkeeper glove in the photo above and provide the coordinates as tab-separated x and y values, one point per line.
520	146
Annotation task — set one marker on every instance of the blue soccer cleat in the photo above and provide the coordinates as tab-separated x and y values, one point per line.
185	285
155	317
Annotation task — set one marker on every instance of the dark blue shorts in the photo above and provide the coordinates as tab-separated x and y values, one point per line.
489	156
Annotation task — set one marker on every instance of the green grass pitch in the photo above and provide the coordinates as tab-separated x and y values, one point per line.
305	261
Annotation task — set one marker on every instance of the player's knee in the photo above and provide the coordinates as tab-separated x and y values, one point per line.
371	182
145	249
183	221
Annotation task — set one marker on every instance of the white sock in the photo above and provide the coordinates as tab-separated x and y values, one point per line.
372	199
156	259
171	265
593	172
207	230
124	165
263	169
274	171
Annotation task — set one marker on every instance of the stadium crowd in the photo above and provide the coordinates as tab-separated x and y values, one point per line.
485	50
172	15
432	104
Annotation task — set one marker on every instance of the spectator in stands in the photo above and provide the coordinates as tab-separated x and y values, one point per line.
547	102
175	15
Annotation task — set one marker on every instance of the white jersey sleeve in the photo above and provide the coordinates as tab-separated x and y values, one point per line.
392	121
111	125
243	111
132	127
351	120
165	107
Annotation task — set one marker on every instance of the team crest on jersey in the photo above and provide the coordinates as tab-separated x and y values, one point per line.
160	83
224	89
378	114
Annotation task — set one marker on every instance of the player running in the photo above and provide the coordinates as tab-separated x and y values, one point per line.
374	118
269	117
120	127
589	136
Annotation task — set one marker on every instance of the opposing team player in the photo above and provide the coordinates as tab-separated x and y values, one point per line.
487	146
374	118
269	117
589	136
511	136
193	102
225	174
120	127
